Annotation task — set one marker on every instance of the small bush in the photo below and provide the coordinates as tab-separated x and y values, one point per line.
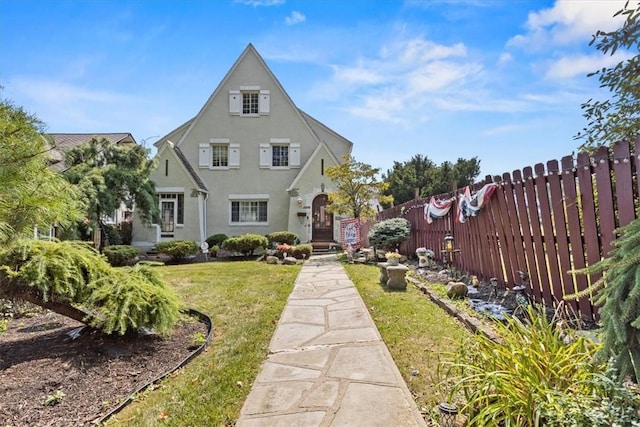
119	255
216	239
178	248
283	237
388	234
245	244
300	250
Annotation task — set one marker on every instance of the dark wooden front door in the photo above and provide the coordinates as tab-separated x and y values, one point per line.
322	220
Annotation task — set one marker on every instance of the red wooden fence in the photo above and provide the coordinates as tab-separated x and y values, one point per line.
546	221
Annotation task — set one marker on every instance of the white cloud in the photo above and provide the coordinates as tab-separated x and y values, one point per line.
567	22
406	79
505	58
574	65
295	18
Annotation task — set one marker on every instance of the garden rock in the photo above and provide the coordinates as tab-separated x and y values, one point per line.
457	290
272	259
289	260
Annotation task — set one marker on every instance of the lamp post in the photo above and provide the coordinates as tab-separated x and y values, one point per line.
448	247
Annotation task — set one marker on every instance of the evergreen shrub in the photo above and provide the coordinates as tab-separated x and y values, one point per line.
246	243
287	237
178	248
388	234
119	255
216	239
299	250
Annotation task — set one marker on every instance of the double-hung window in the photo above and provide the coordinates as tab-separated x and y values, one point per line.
249	209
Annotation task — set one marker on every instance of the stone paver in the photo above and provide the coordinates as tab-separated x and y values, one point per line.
328	365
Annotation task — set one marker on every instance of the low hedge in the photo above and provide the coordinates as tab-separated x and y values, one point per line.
178	248
120	255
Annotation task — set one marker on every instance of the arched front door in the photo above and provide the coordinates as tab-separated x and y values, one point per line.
322	221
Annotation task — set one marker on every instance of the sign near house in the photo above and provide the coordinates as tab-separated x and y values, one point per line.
350	232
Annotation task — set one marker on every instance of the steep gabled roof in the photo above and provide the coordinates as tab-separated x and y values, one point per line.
65	141
248	50
321	130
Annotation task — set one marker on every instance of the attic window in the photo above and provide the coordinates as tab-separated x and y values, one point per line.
249	101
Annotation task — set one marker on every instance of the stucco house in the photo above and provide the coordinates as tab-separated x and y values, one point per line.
250	161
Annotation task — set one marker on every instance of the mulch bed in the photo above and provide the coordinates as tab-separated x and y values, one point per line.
82	378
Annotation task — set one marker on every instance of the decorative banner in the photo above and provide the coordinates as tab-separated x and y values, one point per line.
437	209
469	205
350	232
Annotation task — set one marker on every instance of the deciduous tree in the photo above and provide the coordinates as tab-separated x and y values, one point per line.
358	188
616	118
109	174
421	177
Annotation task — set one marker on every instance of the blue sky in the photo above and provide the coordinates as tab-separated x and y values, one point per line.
502	80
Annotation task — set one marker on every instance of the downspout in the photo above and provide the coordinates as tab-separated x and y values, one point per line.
202	208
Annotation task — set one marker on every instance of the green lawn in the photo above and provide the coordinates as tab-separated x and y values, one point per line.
418	333
244	299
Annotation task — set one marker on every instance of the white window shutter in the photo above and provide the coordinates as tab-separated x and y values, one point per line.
265	155
234	156
204	158
234	102
263	102
294	155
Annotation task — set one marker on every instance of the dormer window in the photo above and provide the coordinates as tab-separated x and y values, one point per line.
249	101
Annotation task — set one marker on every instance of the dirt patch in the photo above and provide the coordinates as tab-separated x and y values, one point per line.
49	379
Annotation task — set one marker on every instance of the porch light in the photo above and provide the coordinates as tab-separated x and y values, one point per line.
448	242
299	201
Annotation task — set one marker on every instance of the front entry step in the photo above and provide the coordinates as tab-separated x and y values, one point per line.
320	248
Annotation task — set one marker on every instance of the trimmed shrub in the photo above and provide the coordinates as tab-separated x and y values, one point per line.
178	248
245	244
216	239
119	255
388	234
287	237
300	250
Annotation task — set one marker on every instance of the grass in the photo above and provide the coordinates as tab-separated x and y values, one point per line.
244	300
417	332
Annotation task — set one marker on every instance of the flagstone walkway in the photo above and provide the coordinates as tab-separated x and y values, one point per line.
328	365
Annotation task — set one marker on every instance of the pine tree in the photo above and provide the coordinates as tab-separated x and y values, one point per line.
618	292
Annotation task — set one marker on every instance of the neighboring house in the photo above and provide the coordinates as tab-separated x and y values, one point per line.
66	141
249	162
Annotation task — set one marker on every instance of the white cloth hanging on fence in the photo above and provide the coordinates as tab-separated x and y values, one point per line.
469	205
437	209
